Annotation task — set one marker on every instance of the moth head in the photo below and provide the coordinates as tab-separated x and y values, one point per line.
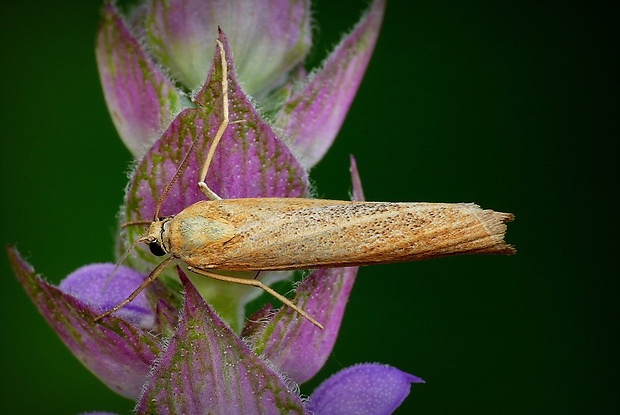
157	236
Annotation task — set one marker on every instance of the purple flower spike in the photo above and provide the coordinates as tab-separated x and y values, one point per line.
117	352
164	70
206	368
364	389
268	38
141	100
313	115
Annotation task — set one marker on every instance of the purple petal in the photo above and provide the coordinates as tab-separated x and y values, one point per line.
250	161
117	352
92	285
141	101
314	114
292	343
206	368
267	37
369	388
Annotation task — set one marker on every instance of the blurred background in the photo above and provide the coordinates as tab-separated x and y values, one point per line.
507	105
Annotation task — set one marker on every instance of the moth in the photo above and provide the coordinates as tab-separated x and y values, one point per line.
261	234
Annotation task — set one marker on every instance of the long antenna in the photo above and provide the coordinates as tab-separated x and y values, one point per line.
174	179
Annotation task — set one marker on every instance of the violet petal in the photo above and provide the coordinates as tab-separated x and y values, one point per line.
141	100
117	352
268	38
370	388
206	368
297	347
92	285
314	114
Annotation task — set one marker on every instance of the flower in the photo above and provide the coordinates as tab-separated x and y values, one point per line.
164	89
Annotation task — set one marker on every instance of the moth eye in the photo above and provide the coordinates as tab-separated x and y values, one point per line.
156	249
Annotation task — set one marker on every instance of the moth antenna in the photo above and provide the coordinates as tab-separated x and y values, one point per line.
135	222
259	284
174	179
152	277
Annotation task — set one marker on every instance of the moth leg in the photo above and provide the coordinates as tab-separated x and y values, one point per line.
259	284
152	277
210	194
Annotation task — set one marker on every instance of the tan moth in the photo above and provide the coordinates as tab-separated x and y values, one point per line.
263	234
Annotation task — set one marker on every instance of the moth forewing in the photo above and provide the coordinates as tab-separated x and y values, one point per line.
288	234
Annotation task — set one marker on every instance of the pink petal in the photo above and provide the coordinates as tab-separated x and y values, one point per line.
140	99
268	38
313	115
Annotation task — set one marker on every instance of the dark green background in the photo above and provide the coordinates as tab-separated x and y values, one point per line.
508	105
